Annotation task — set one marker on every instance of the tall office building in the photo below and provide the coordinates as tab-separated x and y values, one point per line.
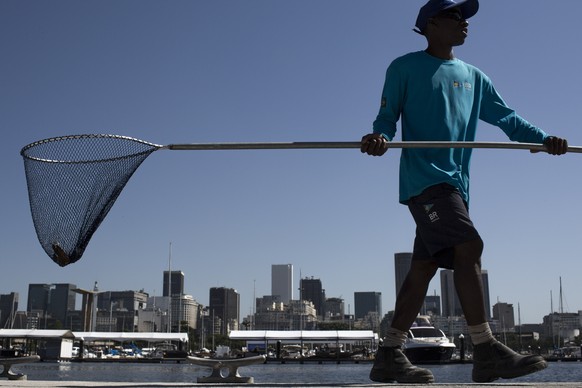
175	280
282	281
486	299
451	306
224	305
311	289
8	309
402	262
503	312
366	302
52	301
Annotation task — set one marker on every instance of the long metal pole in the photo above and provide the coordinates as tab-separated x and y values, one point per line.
344	145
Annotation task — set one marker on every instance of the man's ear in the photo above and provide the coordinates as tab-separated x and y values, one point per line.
430	24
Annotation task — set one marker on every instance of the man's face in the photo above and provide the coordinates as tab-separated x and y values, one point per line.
451	26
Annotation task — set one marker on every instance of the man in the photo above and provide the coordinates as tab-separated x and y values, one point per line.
440	98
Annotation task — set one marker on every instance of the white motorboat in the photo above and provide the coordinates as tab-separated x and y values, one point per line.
427	344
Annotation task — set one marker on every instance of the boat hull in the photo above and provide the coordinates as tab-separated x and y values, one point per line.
429	354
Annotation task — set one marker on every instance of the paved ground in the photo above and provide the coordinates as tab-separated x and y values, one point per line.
72	384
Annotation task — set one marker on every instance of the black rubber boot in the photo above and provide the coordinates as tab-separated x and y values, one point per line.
391	365
493	360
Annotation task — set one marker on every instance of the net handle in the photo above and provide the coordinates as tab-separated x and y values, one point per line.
344	145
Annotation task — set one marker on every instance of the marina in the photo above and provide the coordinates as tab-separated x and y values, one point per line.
46	374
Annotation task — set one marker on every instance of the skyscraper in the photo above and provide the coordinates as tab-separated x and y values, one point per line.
225	305
175	281
312	290
8	309
451	306
402	262
504	313
366	302
282	281
52	300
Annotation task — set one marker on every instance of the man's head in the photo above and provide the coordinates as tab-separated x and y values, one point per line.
433	8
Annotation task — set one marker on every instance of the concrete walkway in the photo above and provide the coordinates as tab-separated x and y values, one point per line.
72	384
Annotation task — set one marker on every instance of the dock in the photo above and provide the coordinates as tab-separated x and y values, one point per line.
101	384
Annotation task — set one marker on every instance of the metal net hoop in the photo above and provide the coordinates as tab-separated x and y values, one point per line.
86	149
73	181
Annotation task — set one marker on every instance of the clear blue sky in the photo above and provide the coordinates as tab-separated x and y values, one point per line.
269	70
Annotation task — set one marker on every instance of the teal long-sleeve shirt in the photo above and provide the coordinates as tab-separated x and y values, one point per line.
442	100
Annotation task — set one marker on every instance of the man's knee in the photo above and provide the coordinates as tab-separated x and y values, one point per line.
469	252
424	268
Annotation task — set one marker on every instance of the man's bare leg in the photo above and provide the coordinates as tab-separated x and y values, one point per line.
391	364
491	359
412	293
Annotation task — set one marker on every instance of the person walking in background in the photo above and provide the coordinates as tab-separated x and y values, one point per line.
438	97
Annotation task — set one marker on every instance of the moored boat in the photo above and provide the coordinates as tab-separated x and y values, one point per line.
427	344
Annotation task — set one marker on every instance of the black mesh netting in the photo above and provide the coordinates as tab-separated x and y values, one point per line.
72	183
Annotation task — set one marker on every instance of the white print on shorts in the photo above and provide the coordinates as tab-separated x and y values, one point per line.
432	216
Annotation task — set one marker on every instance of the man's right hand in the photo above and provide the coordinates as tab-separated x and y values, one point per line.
374	144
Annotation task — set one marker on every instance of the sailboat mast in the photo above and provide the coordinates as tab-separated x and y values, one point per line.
561	300
170	289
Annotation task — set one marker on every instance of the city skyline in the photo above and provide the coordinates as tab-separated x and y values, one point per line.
38	298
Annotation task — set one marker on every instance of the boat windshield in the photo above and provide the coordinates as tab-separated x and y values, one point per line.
424	332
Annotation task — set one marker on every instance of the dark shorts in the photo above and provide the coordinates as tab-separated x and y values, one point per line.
442	222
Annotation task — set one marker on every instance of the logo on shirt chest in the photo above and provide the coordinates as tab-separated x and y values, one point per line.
465	85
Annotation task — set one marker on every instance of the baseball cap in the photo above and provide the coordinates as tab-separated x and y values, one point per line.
433	7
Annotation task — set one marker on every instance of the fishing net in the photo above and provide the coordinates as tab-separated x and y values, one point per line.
73	181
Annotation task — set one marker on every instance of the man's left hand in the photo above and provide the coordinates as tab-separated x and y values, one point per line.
555	145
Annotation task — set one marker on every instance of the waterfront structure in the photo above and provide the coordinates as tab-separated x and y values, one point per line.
562	327
224	309
52	303
311	289
8	309
367	302
282	281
